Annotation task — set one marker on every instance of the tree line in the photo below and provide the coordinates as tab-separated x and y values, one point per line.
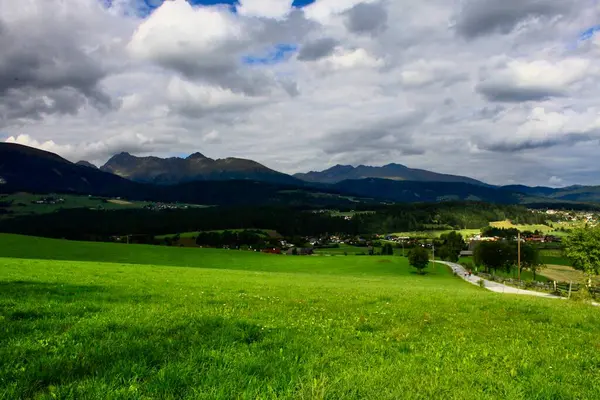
85	224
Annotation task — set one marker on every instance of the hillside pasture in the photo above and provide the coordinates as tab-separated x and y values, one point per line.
433	234
24	203
26	247
563	273
192	235
523	227
554	257
366	327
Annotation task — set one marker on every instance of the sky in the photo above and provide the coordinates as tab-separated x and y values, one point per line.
505	92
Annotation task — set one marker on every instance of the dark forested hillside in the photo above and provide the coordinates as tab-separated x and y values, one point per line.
196	167
407	192
98	225
395	172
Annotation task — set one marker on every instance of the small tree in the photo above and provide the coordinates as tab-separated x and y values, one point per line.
452	244
387	250
530	259
419	259
495	255
582	247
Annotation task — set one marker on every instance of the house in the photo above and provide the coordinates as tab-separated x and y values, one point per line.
466	253
273	250
536	238
299	251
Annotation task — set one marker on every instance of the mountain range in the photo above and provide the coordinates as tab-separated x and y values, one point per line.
196	167
233	181
394	172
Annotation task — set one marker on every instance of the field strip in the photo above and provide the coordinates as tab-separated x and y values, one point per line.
498	287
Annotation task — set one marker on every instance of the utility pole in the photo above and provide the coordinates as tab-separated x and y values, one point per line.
519	254
433	246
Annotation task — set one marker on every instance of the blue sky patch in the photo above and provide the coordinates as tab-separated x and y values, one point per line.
279	53
155	3
589	33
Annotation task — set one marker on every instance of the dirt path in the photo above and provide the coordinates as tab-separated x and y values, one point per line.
495	286
499	287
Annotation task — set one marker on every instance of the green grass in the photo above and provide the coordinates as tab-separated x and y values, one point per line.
366	327
554	257
523	227
71	201
526	275
436	234
190	235
17	246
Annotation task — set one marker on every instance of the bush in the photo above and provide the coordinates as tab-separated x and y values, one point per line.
481	283
419	258
582	295
467	264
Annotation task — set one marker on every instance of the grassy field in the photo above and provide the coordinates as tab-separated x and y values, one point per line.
436	234
554	257
22	203
190	235
523	227
562	273
472	232
514	273
253	326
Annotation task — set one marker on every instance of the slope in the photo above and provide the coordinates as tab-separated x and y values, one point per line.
397	172
174	170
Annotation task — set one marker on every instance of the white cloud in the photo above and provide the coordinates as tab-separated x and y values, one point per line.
555	181
424	72
518	80
192	39
472	88
350	59
265	8
198	99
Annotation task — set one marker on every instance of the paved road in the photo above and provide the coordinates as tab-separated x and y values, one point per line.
495	286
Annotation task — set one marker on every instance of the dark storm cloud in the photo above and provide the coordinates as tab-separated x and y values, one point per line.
47	73
483	17
317	49
532	144
366	18
505	93
392	134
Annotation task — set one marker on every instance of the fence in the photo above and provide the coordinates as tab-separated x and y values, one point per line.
562	288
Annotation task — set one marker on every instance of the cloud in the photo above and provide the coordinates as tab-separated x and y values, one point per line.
346	59
365	18
485	17
130	142
52	59
265	8
393	134
544	129
517	81
555	181
196	101
480	88
316	49
424	72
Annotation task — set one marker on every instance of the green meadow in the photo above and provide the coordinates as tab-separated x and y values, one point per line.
93	320
22	203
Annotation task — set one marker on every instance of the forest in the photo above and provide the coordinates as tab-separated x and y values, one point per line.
100	225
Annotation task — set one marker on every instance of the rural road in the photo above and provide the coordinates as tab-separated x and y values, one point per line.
494	286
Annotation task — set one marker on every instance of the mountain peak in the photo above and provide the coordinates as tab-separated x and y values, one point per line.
196	156
394	172
84	163
340	168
